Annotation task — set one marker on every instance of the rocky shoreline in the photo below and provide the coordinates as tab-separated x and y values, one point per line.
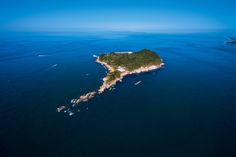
123	74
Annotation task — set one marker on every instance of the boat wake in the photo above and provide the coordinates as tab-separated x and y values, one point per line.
53	66
42	55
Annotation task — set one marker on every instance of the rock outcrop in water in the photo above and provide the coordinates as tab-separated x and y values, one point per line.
84	98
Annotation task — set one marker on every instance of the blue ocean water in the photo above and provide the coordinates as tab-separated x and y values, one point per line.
186	109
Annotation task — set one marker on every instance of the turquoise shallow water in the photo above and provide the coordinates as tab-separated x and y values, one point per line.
186	109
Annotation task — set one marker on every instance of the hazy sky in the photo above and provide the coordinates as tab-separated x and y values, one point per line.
117	15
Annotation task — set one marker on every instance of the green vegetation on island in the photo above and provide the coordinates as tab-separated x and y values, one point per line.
113	75
128	62
131	61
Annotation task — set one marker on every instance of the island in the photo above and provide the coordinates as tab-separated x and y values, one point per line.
232	40
120	64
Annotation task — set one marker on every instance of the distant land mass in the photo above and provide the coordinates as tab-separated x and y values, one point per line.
232	40
119	65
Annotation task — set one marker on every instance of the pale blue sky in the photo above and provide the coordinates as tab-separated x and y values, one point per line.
117	15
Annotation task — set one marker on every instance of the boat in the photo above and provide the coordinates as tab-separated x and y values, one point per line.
54	65
137	83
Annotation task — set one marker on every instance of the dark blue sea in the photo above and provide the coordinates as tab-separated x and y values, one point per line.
186	109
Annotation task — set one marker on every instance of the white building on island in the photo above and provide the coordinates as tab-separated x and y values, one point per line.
125	52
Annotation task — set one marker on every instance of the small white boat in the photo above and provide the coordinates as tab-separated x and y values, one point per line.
53	66
137	83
